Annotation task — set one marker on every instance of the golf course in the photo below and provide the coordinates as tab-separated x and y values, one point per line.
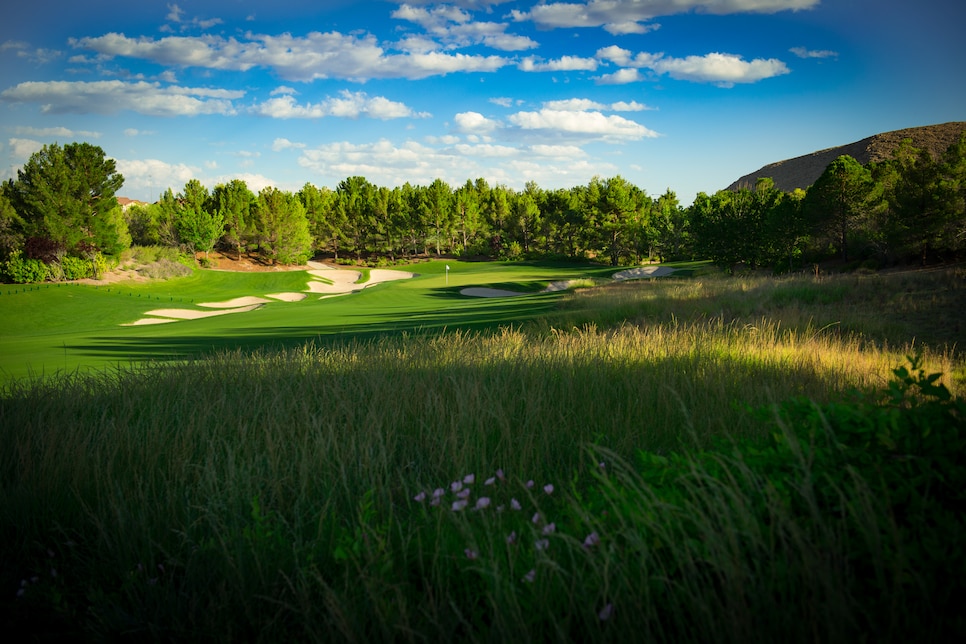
479	451
48	328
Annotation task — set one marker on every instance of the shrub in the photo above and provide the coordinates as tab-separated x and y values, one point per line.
25	271
164	269
75	268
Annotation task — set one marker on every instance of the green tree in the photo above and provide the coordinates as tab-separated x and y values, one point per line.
439	205
926	198
356	219
11	226
467	213
667	228
283	229
618	217
167	212
786	228
525	215
67	195
320	205
837	201
233	202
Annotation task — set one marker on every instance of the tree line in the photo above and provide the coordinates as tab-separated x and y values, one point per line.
61	217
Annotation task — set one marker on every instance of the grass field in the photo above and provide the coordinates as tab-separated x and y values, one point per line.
49	328
676	460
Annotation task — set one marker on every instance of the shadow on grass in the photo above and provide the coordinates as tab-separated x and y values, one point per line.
481	314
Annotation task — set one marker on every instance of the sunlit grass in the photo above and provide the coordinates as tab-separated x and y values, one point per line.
279	495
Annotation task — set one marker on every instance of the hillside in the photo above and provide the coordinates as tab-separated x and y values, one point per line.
802	171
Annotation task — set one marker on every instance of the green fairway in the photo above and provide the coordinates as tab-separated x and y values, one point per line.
63	327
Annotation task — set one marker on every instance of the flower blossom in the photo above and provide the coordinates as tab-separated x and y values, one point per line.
606	612
420	497
459	505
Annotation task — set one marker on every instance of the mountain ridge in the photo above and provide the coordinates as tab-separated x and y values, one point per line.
803	171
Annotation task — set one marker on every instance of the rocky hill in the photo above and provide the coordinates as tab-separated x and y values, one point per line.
801	172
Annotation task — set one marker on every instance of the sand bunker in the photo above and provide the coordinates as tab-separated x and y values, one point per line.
326	281
334	281
287	297
235	303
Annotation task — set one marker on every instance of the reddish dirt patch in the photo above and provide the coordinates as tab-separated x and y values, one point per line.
222	262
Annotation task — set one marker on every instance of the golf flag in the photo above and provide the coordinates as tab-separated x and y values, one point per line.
447	273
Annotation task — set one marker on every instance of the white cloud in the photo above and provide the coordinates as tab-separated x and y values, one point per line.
135	132
110	97
174	13
389	164
564	63
716	67
633	106
284	144
621	77
346	104
625	16
506	101
723	69
38	56
23	148
629	27
454	27
153	176
57	132
802	52
474	123
283	90
585	104
485	150
582	123
294	58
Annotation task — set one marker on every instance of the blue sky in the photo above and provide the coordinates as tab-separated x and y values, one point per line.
680	94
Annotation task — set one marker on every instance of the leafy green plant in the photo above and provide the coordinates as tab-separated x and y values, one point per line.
20	270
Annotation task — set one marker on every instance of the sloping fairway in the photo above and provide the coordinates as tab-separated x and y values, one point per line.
49	328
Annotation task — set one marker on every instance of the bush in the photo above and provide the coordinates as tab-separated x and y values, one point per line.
25	271
164	269
75	268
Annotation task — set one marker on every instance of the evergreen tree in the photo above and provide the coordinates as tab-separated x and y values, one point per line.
282	227
66	195
837	202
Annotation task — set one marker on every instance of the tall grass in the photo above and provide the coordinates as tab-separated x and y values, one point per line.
275	496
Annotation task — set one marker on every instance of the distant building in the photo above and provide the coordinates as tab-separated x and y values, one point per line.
126	203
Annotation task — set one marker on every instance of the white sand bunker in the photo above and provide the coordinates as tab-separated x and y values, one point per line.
161	316
326	281
334	281
287	297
